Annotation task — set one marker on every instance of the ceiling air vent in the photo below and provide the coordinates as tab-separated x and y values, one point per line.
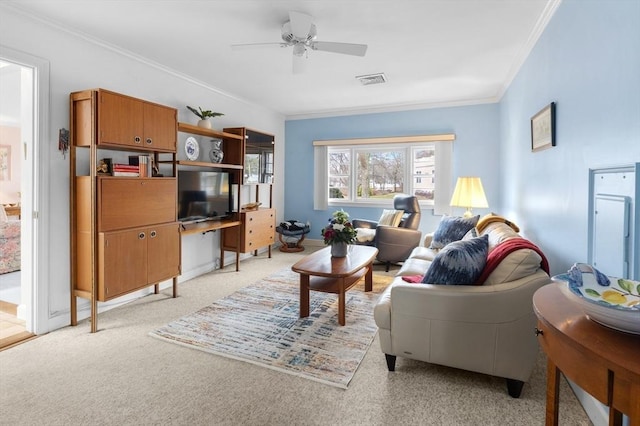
372	79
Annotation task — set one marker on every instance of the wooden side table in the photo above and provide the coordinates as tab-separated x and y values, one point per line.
13	211
602	361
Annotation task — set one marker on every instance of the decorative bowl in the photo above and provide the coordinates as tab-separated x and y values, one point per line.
251	206
612	302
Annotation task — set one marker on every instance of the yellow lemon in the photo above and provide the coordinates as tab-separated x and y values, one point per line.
614	297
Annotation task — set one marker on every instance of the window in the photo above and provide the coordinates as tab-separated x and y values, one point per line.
372	171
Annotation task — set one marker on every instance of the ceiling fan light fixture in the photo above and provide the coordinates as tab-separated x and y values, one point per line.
299	49
369	79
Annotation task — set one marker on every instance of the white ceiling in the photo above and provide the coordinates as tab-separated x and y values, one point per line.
433	52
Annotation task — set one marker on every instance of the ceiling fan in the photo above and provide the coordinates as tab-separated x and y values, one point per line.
300	32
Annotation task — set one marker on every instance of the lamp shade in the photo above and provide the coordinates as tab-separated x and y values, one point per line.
469	193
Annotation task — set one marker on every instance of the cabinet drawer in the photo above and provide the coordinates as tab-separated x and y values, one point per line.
127	203
259	228
259	218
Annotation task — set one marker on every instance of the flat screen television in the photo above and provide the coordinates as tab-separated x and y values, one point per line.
204	195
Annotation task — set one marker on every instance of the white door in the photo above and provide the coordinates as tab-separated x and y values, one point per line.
28	105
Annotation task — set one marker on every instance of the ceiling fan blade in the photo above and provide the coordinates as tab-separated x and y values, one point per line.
299	64
256	45
300	24
344	48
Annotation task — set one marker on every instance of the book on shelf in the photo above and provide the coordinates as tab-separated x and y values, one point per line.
122	167
144	164
129	174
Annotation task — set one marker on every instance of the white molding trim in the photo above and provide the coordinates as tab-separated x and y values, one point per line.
525	50
389	108
132	55
36	220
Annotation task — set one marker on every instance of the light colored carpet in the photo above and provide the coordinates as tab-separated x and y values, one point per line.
260	324
120	375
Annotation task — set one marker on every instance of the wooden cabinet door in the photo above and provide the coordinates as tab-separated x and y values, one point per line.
160	127
122	262
120	120
163	252
135	202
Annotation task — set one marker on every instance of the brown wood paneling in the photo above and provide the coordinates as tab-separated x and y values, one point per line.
163	252
135	202
160	127
122	263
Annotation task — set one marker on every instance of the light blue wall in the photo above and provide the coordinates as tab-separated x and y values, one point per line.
588	62
475	153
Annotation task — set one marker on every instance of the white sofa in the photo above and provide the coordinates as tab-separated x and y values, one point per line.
486	328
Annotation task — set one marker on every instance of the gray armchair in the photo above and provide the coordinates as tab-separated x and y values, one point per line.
395	244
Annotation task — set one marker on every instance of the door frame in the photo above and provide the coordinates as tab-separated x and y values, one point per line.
35	204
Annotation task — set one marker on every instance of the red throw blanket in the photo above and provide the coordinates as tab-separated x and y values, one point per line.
503	249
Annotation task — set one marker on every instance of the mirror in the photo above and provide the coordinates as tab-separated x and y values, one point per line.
258	158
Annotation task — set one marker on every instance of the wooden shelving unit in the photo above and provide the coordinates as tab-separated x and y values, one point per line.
124	230
235	223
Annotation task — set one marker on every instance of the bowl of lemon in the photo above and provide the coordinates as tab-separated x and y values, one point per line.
612	302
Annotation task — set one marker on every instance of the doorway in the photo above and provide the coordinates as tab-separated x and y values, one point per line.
23	122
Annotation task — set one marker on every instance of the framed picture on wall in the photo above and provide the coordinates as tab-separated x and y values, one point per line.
5	162
543	128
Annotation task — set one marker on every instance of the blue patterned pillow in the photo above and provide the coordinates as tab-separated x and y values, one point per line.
452	228
459	263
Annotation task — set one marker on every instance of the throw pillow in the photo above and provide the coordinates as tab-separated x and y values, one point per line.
459	263
452	228
391	217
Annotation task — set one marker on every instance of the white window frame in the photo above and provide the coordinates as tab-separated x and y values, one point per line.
444	149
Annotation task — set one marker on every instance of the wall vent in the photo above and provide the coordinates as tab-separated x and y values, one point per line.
372	79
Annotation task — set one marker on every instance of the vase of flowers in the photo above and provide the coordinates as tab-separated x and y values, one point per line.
339	233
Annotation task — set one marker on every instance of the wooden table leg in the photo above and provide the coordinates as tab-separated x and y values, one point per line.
304	295
553	394
175	287
368	278
341	304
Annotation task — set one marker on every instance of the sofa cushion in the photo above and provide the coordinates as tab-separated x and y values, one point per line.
498	233
459	263
452	228
515	265
414	266
391	217
364	235
513	259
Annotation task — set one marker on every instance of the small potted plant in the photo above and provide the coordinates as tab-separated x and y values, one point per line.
204	116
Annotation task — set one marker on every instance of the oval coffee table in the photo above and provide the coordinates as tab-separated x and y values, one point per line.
321	272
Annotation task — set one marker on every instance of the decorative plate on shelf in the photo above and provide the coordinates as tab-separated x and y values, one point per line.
613	302
191	148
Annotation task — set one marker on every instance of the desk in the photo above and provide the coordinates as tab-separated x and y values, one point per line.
603	362
210	226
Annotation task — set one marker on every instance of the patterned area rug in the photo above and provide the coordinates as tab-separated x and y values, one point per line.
260	324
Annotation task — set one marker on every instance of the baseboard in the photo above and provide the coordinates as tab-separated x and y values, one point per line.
598	413
62	318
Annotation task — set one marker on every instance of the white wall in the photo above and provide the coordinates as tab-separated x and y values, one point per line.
77	64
